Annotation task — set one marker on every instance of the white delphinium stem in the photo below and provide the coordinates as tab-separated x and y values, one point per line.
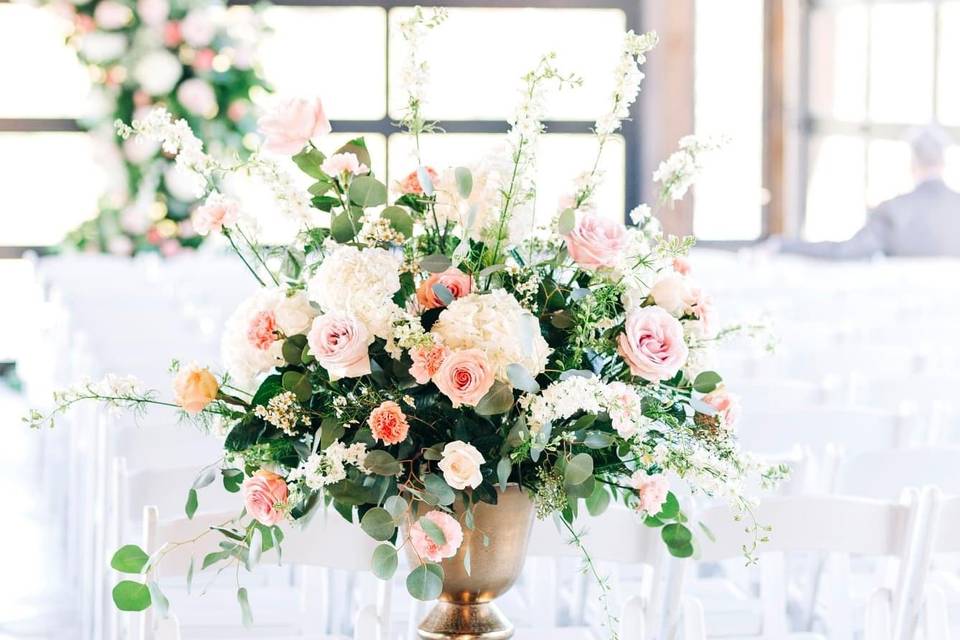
415	73
678	172
525	127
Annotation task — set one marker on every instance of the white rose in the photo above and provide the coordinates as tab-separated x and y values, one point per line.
294	314
673	293
461	465
157	72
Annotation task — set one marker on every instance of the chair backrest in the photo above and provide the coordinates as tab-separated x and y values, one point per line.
885	474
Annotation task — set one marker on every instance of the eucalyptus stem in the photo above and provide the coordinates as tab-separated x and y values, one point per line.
256	253
240	254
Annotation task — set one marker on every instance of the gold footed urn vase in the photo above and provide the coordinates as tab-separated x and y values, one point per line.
465	609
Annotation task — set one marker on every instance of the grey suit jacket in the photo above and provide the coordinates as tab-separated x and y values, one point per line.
924	222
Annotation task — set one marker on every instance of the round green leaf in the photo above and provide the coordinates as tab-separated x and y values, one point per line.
567	221
378	524
599	500
384	563
129	559
681	551
425	582
436	486
464	181
579	468
433	531
670	508
396	505
521	379
344	226
707	381
435	263
399	219
504	467
367	192
598	439
676	535
382	463
131	596
498	400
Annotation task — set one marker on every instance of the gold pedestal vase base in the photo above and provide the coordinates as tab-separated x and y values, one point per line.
452	621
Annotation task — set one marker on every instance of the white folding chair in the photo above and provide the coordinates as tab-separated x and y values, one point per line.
328	541
840	526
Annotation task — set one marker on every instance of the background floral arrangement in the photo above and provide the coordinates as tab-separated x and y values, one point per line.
408	356
195	58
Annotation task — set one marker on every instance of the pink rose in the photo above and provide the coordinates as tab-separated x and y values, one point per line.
388	423
652	344
215	213
292	124
427	361
203	59
464	377
262	331
265	496
411	184
194	388
457	282
339	344
726	405
172	36
674	293
681	265
341	163
424	545
651	490
703	308
597	242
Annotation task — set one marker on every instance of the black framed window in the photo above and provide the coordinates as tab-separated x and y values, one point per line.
350	54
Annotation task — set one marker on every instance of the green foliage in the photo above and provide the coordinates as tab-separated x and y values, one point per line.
425	582
498	400
707	381
131	596
129	559
385	561
578	469
367	192
378	523
190	507
382	463
309	161
400	220
464	181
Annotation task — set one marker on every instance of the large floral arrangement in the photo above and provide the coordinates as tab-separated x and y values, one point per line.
419	351
193	57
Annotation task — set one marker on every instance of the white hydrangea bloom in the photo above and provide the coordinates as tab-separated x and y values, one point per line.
497	324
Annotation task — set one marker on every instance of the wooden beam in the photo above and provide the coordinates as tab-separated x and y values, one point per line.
668	97
774	121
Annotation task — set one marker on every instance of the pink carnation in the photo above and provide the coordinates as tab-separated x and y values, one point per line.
726	405
262	332
411	184
651	490
427	361
465	377
597	242
457	283
424	545
265	496
652	344
292	124
340	163
388	423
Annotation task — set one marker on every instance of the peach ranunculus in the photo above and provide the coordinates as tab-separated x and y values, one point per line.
289	126
340	344
194	387
262	332
265	496
427	361
411	184
465	377
388	423
651	490
652	344
726	404
217	212
460	463
341	163
597	242
457	283
425	546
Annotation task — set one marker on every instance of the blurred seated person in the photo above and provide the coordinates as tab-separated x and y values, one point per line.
923	222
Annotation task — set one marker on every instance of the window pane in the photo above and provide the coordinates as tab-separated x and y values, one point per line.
835	201
274	226
40	201
838	62
901	62
888	170
727	205
560	158
294	69
493	48
949	105
42	77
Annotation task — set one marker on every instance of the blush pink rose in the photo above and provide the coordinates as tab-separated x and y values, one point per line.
681	265
652	344
726	404
651	490
340	163
424	545
411	184
339	344
427	361
457	282
265	496
214	214
464	377
262	331
597	242
705	311
292	124
388	423
674	293
172	35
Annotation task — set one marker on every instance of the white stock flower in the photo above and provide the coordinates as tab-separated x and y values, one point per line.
361	284
497	324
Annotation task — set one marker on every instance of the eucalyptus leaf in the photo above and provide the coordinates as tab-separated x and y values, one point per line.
707	381
498	400
579	373
344	226
256	548
159	601
330	431
435	263
396	505
246	615
190	507
400	220
504	467
206	477
384	562
598	501
309	161
436	485
382	463
423	177
378	523
578	469
598	439
190	569
357	147
676	535
433	531
425	582
367	192
521	379
441	291
567	221
464	181
131	596
129	559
